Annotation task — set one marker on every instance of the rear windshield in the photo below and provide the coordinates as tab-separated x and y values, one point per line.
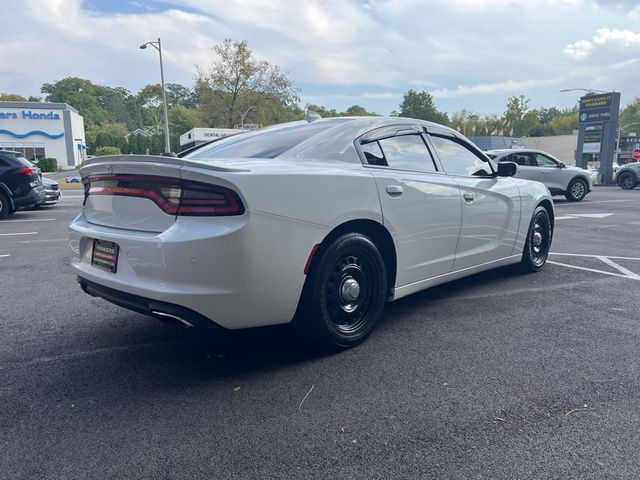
267	143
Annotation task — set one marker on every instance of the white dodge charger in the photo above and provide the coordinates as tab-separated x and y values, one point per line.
318	223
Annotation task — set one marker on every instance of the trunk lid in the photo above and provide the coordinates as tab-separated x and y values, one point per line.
127	212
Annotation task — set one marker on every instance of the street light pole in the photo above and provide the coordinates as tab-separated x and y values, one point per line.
158	46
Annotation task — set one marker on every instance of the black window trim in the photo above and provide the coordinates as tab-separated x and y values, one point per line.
391	131
472	148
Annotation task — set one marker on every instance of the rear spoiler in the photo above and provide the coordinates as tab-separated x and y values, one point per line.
213	164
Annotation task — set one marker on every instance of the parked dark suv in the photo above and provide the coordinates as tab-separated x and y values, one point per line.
20	183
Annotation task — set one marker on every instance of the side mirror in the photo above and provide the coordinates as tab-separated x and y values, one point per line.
507	169
562	165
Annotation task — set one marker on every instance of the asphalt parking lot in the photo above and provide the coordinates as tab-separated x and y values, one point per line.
500	375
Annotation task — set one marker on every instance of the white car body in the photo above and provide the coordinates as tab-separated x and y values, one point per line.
543	167
248	270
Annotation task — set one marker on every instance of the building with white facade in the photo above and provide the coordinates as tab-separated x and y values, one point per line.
39	130
198	136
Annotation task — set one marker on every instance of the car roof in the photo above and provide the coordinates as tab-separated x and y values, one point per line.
336	140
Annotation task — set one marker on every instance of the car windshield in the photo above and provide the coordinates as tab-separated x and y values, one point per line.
267	143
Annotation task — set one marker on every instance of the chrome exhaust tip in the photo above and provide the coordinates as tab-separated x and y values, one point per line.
166	316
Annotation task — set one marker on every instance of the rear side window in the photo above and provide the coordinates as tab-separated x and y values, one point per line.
523	158
458	159
267	143
407	152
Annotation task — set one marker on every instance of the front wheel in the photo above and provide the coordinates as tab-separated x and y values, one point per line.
577	190
345	294
536	248
627	181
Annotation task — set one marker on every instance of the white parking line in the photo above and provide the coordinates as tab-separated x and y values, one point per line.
592	256
584	215
577	204
624	272
620	268
5	255
22	233
27	220
591	270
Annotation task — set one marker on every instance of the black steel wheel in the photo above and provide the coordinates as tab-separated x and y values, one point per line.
538	243
627	181
345	294
577	190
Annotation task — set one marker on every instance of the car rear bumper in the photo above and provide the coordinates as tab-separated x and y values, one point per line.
36	196
163	311
51	196
236	272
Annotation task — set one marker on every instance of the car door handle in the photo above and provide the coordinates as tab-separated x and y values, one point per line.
394	190
469	196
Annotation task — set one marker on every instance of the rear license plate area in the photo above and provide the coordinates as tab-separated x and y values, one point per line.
105	255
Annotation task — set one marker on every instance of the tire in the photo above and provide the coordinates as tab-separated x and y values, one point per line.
576	190
539	236
5	207
627	181
75	180
344	295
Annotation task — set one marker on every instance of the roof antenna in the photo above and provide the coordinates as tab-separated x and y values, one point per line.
311	116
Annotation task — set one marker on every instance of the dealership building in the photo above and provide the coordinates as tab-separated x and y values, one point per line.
39	130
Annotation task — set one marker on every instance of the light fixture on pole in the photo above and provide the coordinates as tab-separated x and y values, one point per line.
588	90
158	46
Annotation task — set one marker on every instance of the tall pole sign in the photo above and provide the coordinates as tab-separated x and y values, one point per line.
598	127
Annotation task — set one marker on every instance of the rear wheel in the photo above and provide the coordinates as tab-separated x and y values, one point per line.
536	248
627	181
345	295
577	190
5	207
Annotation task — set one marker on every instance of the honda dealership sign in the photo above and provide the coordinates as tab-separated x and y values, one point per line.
598	120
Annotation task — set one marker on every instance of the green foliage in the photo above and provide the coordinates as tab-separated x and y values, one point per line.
11	97
181	120
48	164
352	111
566	123
631	114
420	105
101	151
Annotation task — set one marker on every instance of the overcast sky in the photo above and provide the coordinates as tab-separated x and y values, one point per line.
469	54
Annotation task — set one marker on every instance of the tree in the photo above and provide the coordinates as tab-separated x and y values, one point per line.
241	85
100	151
181	120
631	113
518	116
420	105
11	97
566	123
358	111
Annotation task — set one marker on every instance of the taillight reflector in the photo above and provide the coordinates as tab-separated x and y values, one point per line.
28	170
173	195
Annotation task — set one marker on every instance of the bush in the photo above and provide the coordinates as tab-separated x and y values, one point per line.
48	164
101	151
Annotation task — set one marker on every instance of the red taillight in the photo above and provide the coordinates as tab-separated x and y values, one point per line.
28	170
172	195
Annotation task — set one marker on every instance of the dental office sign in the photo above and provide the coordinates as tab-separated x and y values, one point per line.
29	115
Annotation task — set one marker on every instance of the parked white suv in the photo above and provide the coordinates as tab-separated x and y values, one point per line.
572	182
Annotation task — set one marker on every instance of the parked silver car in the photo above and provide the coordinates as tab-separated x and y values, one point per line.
572	182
